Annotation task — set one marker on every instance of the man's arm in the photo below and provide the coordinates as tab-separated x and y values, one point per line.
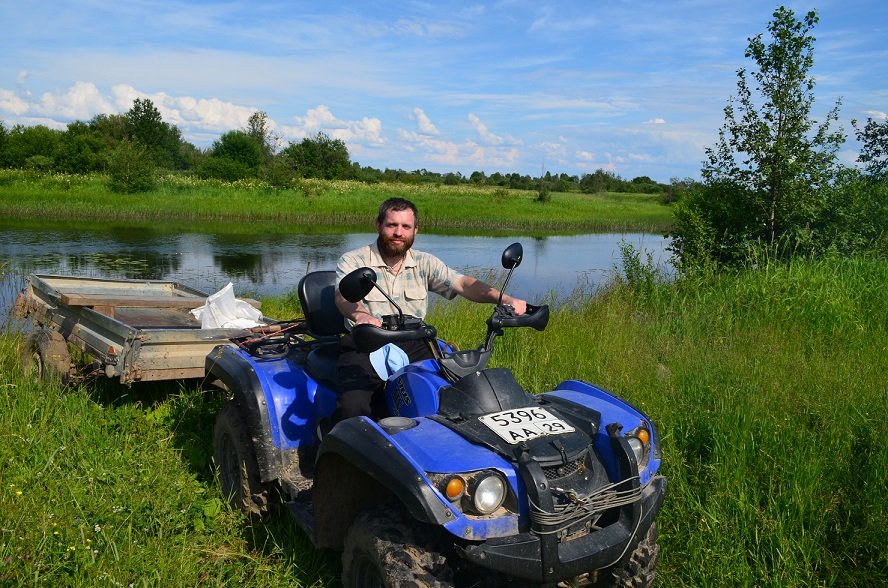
478	291
355	311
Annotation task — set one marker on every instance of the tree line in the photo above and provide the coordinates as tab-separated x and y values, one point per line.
134	146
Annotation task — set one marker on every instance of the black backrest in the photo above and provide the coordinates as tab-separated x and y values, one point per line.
317	294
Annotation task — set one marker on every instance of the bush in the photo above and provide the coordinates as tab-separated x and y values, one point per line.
225	169
239	147
277	173
131	169
39	163
544	192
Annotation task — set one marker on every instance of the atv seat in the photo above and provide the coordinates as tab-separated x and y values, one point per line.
317	295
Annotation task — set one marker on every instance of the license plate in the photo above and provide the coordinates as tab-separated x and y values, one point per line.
523	424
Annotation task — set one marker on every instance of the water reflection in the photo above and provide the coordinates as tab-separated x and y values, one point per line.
265	264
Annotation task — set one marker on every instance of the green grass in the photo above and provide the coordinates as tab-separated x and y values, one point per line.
768	388
351	205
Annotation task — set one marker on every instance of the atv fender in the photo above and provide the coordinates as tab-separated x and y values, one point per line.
238	377
358	467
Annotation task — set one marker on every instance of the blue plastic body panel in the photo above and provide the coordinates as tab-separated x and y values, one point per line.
433	448
294	400
613	409
413	390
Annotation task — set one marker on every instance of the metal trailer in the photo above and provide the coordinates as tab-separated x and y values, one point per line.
133	330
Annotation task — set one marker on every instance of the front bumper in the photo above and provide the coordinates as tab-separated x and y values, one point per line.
542	558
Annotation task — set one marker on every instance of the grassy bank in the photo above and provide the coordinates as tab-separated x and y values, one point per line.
318	202
768	389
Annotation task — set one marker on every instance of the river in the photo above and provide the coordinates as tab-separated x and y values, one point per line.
261	264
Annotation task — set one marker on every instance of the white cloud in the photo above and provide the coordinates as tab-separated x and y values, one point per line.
467	153
550	21
876	114
655	121
487	136
82	101
187	112
321	119
424	123
554	148
9	102
425	28
196	117
483	131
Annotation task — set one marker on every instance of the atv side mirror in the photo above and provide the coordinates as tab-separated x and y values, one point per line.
512	256
511	259
357	284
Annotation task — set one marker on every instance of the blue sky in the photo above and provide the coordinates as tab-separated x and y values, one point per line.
634	87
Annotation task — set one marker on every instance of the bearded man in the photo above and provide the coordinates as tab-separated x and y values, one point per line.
407	276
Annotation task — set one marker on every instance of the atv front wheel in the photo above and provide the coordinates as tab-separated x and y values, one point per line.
640	570
238	469
384	549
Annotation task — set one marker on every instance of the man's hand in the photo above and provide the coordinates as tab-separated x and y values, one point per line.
519	305
362	317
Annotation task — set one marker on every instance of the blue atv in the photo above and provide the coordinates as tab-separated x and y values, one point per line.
466	480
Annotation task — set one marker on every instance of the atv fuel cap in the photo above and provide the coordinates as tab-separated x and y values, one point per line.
396	424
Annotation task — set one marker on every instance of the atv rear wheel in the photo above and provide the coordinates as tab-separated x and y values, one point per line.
235	457
640	570
383	548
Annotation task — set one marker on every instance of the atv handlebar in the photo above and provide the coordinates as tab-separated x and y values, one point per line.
504	316
369	338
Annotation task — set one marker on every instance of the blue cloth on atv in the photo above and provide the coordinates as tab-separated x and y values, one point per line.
388	359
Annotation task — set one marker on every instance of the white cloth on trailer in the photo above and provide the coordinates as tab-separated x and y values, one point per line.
223	311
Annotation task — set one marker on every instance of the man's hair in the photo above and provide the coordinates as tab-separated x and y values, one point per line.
397	205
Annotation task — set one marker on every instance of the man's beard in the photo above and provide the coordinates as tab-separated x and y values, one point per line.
390	248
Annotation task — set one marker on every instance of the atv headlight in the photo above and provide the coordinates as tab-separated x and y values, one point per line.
639	441
489	494
637	448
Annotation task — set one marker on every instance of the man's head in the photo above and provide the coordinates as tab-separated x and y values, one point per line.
396	225
396	204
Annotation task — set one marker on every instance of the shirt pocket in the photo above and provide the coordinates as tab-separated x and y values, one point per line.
415	294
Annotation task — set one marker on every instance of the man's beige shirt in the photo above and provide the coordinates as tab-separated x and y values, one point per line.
420	274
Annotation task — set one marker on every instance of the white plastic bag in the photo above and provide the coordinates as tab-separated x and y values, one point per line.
224	311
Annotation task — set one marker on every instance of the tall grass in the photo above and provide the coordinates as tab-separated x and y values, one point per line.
102	486
768	388
352	204
770	393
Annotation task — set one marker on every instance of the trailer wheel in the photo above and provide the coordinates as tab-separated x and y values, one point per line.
45	357
640	570
383	549
235	457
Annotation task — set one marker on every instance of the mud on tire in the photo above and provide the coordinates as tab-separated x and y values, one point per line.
640	570
383	548
238	469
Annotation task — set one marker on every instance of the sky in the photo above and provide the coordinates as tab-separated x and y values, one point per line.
636	87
